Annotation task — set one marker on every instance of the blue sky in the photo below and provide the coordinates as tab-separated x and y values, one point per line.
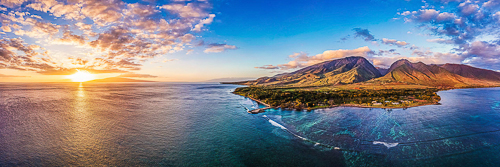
183	40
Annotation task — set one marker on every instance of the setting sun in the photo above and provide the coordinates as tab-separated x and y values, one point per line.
81	76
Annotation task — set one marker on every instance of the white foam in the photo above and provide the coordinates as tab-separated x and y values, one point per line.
276	124
303	138
284	128
388	145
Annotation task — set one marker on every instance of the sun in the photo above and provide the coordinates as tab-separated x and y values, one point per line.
81	76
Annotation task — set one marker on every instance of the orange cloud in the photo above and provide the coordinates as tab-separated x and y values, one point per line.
118	36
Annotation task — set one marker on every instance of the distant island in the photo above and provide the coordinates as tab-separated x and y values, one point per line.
118	79
355	82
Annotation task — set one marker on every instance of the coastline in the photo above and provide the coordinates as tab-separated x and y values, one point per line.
258	110
261	110
385	107
258	101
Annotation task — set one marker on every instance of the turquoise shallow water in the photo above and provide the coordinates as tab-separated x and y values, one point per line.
164	124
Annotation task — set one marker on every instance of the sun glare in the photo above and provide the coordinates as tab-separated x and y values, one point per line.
81	76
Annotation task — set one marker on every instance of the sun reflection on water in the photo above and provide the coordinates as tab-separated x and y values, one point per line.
85	137
80	92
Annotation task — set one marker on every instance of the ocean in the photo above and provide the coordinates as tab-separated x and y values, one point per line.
174	124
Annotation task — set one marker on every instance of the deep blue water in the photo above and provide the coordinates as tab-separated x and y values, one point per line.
165	124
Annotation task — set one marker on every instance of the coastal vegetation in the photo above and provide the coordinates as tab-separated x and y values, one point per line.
296	98
354	81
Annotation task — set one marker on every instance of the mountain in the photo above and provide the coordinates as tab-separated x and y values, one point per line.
118	79
448	75
472	72
398	63
358	70
339	71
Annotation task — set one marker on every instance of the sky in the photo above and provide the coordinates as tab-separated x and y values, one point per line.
200	40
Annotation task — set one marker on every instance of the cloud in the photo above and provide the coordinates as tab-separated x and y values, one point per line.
268	67
466	9
12	3
491	4
139	10
425	15
380	58
497	16
483	49
9	76
16	54
363	33
464	28
169	60
108	36
445	16
69	37
200	25
394	42
6	29
303	60
440	40
216	48
133	75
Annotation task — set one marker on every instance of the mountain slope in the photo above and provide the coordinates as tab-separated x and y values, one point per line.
358	71
472	72
397	64
432	75
340	71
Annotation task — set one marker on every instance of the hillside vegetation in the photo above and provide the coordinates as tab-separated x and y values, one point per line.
354	81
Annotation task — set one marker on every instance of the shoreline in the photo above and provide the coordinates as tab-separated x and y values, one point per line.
257	110
387	107
261	110
258	101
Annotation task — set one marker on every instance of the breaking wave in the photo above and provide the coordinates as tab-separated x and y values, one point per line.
388	145
274	123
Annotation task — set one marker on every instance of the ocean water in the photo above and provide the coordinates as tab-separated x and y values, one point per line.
165	124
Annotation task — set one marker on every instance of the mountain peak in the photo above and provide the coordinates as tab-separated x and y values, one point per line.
356	69
403	60
338	71
398	63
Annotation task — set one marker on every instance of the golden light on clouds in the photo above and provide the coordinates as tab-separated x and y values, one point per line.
81	76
